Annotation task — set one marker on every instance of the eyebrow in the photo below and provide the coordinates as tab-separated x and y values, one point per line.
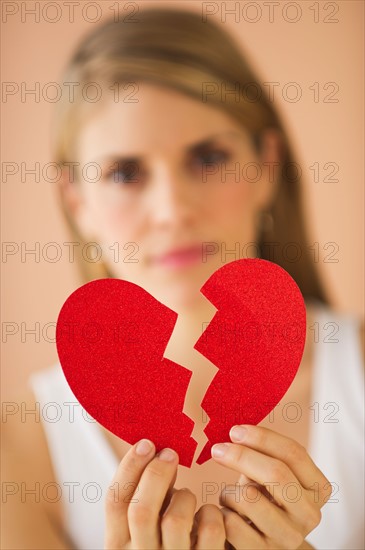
195	147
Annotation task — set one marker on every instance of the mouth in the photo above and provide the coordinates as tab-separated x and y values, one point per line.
179	258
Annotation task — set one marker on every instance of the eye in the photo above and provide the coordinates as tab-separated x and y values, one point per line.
124	173
212	156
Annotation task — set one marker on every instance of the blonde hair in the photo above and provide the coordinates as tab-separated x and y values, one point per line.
176	49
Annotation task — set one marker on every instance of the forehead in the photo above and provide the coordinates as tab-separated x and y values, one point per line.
159	119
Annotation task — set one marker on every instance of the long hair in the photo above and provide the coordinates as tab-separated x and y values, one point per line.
178	50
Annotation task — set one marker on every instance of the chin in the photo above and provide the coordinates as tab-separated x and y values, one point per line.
178	297
179	290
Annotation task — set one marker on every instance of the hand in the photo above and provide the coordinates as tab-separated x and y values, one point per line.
144	511
276	502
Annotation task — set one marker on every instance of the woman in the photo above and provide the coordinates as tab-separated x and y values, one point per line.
174	152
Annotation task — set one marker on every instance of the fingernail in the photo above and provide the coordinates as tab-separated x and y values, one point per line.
219	450
167	455
238	433
144	447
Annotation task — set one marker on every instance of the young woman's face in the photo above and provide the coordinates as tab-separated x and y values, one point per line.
179	194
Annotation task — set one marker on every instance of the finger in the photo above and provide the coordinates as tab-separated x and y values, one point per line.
170	491
239	533
288	451
177	521
271	521
273	474
120	491
144	515
244	480
210	532
277	478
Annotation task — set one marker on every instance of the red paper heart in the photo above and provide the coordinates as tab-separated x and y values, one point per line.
112	334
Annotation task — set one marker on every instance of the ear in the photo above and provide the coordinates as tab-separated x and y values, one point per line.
73	197
270	157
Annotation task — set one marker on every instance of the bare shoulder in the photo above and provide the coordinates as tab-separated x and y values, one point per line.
30	519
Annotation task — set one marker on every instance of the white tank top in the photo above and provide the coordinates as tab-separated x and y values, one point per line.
84	463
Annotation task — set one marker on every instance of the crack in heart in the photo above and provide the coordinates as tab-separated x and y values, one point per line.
253	364
203	373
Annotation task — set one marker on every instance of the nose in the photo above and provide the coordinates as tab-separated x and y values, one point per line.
172	199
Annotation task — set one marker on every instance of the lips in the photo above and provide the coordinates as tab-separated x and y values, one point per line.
180	257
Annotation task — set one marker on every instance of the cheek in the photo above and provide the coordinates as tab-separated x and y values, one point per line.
109	222
233	202
118	235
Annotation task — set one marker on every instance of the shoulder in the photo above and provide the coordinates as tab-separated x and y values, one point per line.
349	324
29	515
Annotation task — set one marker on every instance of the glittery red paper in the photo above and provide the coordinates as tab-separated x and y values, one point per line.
256	339
111	336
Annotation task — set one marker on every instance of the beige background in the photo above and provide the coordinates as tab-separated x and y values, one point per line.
303	52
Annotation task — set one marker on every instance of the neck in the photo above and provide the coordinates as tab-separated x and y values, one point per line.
191	323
